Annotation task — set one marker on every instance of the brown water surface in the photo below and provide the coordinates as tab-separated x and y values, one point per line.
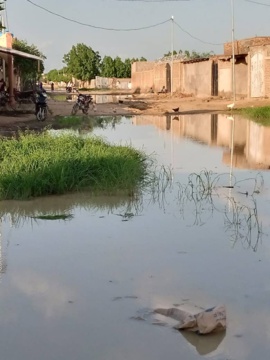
86	288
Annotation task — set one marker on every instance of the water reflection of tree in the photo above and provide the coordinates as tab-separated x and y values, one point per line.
88	123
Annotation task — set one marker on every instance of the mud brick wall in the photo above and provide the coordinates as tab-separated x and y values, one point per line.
242	46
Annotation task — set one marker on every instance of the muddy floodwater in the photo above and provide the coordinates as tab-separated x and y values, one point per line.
85	288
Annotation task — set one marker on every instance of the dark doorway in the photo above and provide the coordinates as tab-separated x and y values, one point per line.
214	79
168	77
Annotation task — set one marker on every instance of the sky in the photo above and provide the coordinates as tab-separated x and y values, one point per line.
208	20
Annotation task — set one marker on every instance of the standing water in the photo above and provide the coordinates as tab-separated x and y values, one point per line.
85	286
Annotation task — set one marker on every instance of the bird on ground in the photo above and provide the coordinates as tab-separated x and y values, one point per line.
231	106
120	101
176	109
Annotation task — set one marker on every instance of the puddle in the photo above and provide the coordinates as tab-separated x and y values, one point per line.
87	287
98	99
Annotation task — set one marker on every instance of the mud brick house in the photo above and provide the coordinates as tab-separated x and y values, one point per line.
212	76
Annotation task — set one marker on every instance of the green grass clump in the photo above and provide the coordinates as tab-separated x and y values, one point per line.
34	165
258	114
69	121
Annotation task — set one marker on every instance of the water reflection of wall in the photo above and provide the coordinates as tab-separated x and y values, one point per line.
251	148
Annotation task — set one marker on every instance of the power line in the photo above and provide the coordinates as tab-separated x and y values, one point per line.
154	0
94	26
194	37
257	2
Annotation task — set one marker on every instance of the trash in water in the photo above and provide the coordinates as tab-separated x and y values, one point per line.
204	322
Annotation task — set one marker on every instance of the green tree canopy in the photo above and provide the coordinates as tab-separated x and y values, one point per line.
82	62
108	67
58	75
190	54
27	68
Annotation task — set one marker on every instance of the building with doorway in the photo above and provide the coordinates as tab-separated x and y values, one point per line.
211	76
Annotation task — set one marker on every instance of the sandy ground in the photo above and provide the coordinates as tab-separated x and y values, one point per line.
148	104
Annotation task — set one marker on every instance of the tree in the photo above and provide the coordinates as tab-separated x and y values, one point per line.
120	67
169	53
108	67
58	75
82	62
27	68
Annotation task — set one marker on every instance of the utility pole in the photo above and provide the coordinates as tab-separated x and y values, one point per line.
172	50
233	52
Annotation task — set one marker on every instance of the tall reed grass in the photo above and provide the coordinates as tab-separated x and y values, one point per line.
33	165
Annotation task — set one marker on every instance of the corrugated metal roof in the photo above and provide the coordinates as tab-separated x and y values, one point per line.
19	53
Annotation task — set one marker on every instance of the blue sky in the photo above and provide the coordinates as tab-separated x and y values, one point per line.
209	20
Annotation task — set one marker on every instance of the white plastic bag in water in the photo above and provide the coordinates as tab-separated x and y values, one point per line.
204	322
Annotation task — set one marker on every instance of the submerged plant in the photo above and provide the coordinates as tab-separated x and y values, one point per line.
53	217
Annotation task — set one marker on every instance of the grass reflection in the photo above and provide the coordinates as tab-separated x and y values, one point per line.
202	196
205	193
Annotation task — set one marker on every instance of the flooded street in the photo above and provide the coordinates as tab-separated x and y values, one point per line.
86	288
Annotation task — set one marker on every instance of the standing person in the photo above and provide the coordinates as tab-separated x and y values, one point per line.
40	87
52	86
2	85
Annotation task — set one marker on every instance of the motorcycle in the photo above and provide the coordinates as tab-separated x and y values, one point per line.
82	103
41	106
4	98
24	96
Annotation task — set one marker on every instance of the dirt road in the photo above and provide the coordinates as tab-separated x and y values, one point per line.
148	104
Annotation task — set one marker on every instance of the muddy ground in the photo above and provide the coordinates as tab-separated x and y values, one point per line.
139	104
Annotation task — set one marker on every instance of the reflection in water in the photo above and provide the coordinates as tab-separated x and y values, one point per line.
204	344
21	211
62	277
250	140
203	195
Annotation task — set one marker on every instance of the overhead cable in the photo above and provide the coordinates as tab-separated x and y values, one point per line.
94	26
194	37
257	2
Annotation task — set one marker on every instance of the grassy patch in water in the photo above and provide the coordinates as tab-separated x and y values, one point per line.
33	165
86	122
258	114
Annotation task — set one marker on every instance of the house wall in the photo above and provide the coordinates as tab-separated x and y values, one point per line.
241	79
197	78
243	46
160	78
6	40
225	78
142	75
177	75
